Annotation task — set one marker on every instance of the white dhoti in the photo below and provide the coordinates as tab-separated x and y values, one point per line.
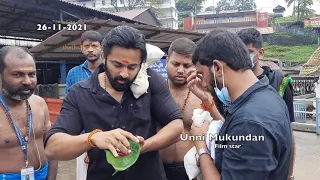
82	167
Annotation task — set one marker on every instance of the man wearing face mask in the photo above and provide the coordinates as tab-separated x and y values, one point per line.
256	134
24	119
104	106
253	40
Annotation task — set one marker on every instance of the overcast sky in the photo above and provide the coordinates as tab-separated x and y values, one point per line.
268	5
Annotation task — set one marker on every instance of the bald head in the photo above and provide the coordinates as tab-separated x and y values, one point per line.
8	53
17	73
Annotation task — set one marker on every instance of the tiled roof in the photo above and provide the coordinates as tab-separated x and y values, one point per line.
130	14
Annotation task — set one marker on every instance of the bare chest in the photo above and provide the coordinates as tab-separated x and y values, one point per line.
8	136
187	105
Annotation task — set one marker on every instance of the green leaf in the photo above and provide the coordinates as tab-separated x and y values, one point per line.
124	162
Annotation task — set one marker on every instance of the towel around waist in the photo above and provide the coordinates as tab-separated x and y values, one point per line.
40	174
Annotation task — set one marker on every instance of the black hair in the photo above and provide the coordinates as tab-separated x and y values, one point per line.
224	46
251	35
126	37
213	32
94	36
19	52
183	46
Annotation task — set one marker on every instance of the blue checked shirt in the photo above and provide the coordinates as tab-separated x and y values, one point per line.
76	74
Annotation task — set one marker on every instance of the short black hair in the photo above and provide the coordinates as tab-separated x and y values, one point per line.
213	32
126	37
183	46
224	46
94	36
19	52
251	35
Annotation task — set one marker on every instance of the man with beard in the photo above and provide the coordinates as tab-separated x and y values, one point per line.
24	121
92	50
178	64
104	106
254	109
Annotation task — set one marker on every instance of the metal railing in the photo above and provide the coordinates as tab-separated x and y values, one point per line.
303	84
302	109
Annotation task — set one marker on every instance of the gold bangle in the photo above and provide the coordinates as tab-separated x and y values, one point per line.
90	135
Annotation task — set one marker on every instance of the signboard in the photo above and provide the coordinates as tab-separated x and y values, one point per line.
263	19
265	30
314	22
161	67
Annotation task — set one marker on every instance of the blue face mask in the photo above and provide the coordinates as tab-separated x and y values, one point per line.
222	94
252	60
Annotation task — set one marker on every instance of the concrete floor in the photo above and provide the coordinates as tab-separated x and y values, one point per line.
307	162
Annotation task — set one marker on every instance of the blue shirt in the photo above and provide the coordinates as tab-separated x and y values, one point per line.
76	74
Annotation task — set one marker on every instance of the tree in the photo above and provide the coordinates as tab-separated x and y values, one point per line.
225	5
301	9
240	5
187	8
194	6
210	8
133	4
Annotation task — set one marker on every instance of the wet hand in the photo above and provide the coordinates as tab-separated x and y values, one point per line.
200	131
197	85
114	140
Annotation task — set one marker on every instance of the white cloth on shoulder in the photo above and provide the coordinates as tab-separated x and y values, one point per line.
190	163
141	83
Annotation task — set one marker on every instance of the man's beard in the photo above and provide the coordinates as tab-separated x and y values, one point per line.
94	59
15	93
177	83
117	86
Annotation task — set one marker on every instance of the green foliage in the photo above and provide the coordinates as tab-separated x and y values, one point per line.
301	8
287	39
240	5
288	19
188	7
193	6
289	53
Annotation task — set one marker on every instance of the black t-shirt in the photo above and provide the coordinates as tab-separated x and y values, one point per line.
255	139
88	106
288	94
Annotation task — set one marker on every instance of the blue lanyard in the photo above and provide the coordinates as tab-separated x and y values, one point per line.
23	143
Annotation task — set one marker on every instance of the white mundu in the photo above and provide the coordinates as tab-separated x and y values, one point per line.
82	167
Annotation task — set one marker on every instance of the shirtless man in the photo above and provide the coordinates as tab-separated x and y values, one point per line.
18	80
179	62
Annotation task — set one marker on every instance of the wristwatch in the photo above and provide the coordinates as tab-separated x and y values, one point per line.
199	153
291	178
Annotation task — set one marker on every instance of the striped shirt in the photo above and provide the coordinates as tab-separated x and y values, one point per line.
76	74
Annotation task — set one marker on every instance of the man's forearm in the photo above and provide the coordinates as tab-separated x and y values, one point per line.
64	147
208	169
165	137
52	170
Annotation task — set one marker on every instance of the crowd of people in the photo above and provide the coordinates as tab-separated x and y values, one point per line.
219	74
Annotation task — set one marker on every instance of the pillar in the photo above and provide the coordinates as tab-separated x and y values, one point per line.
63	72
